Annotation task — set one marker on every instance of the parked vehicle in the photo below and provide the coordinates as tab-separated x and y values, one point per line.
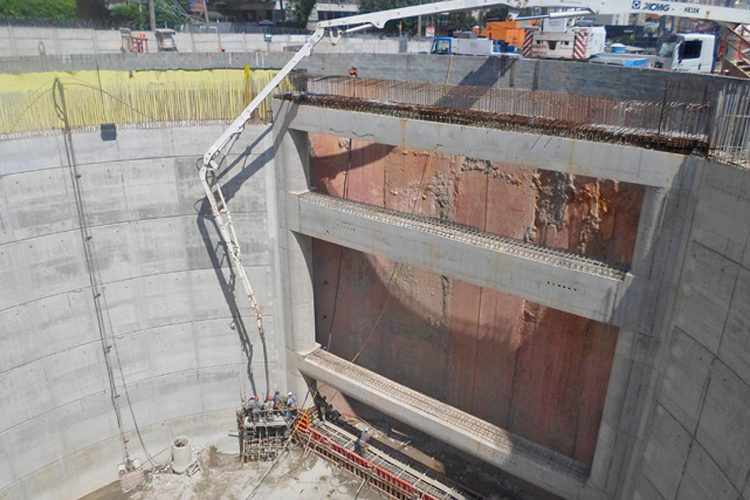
688	53
447	45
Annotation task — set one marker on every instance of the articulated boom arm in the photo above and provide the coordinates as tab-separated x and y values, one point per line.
603	7
211	161
378	20
726	15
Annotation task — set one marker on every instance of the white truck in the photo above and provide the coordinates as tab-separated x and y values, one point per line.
558	40
688	53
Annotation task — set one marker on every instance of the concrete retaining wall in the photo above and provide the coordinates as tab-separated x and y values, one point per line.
678	429
169	309
565	76
697	443
17	41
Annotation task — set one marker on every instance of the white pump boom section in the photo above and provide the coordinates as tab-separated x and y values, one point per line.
378	20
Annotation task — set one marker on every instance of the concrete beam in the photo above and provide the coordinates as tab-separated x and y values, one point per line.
522	149
556	279
536	464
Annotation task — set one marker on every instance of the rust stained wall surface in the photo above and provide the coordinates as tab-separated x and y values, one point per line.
536	371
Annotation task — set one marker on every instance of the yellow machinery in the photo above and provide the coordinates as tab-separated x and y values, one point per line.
510	31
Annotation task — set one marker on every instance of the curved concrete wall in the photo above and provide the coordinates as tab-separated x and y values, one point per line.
170	310
697	437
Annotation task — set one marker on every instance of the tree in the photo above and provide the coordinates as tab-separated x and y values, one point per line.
94	10
169	13
496	13
462	20
44	10
126	15
301	10
376	5
454	20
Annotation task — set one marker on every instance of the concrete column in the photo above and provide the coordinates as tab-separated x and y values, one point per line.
612	444
652	213
667	261
295	304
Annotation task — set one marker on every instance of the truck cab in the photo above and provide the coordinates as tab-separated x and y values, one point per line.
442	45
688	53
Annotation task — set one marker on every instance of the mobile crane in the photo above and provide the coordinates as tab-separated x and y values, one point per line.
337	27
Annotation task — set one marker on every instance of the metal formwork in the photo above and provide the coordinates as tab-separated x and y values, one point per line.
376	469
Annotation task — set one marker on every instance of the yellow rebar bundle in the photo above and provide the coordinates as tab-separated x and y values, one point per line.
130	97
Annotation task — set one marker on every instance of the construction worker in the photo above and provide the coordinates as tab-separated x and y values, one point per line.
268	407
361	444
291	405
254	407
276	400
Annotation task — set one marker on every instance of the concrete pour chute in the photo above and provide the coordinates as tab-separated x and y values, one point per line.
654	409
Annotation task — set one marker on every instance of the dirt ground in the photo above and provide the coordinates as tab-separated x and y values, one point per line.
221	476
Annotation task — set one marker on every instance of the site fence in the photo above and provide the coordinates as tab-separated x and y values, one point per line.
720	122
730	133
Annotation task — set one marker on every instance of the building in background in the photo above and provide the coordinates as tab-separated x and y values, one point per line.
248	10
332	9
255	11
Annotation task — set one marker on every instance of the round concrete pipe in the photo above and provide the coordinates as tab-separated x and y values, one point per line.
182	454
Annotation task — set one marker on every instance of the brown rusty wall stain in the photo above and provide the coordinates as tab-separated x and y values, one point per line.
536	371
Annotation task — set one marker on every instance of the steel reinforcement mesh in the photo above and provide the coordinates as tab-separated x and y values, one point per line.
669	117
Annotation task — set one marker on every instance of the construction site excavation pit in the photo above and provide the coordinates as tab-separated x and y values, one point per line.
469	279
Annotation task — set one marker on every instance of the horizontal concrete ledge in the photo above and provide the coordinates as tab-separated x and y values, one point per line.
556	279
522	149
536	464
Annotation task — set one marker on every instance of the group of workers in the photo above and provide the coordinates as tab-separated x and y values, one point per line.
272	406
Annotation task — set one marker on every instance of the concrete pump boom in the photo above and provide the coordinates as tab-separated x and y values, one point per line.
378	20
